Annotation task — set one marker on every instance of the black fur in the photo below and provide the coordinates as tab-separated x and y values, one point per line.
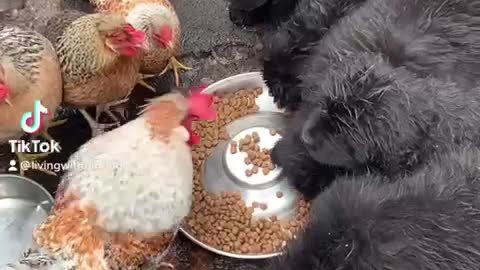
368	100
371	116
431	37
300	166
288	48
428	221
253	12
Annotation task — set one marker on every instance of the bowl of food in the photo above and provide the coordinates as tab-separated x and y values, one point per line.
23	205
242	206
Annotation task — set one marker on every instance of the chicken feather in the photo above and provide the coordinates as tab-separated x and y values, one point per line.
125	213
98	56
29	71
150	16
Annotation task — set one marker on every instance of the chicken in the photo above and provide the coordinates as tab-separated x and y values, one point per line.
126	212
161	24
100	60
29	71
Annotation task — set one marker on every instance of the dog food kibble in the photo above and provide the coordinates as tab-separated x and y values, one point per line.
233	148
263	206
259	158
273	132
279	194
223	220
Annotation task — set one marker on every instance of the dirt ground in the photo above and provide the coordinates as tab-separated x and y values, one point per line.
212	46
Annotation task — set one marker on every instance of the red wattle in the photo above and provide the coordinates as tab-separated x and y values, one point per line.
194	138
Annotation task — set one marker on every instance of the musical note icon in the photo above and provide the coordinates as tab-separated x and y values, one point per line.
31	122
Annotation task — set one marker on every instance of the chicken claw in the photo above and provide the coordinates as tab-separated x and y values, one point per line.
168	265
143	83
175	65
57	123
28	159
97	128
107	108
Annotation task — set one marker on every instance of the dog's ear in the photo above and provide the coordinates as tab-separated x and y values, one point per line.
327	118
316	123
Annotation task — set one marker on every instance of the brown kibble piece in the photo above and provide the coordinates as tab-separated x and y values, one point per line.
279	194
247	161
248	173
265	171
223	220
273	132
233	149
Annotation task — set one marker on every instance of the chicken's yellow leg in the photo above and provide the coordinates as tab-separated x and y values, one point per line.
26	162
175	65
167	265
143	83
57	123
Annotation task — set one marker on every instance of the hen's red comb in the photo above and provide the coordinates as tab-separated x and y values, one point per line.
199	104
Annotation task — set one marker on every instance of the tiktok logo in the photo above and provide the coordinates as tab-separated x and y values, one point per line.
31	122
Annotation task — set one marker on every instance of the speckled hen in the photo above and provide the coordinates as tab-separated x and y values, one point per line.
125	212
100	59
161	24
29	70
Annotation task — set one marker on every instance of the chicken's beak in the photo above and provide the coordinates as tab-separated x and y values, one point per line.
8	102
145	46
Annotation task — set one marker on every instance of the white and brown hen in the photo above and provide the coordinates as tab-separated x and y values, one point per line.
124	213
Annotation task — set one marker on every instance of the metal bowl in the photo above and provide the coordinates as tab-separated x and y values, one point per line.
23	205
226	172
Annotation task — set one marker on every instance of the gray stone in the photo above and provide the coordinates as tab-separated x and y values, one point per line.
206	25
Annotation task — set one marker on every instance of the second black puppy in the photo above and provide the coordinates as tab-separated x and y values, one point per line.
252	12
428	221
288	48
429	37
366	115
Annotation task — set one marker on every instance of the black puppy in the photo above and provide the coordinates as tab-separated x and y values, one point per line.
429	221
366	115
368	100
431	37
252	12
289	47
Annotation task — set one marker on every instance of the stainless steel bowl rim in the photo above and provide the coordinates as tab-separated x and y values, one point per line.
210	89
50	197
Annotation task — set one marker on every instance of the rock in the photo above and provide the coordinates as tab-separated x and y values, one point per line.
207	81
